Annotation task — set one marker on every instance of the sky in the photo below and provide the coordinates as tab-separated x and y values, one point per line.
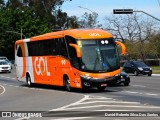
105	7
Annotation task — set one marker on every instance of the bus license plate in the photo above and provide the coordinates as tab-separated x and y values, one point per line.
103	85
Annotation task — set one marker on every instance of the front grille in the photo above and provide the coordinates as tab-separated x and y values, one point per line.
4	67
146	69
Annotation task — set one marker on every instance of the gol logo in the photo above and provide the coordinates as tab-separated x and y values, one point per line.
63	62
94	34
41	66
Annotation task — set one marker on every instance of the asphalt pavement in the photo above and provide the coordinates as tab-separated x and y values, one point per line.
115	103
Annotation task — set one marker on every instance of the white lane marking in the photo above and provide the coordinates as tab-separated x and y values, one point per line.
7	77
152	94
82	101
141	93
99	97
2	76
108	102
3	90
115	106
25	118
72	104
130	91
139	86
28	88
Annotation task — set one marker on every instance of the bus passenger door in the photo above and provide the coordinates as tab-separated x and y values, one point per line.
53	67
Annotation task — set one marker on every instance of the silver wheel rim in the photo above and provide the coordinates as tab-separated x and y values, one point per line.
68	84
29	81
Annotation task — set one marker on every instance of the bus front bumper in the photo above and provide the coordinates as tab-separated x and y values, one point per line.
92	82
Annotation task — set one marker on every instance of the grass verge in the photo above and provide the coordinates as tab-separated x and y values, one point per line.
156	69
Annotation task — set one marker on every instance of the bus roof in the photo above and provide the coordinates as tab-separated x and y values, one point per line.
75	33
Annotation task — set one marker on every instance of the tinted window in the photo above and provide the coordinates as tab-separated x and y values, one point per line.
139	64
42	48
61	47
3	63
72	51
47	47
19	52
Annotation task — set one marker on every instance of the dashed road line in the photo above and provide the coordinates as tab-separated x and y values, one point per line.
152	94
141	93
139	86
7	77
130	92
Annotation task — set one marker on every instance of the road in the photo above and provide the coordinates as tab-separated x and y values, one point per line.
143	95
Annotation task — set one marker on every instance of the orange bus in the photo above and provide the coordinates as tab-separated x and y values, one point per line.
75	58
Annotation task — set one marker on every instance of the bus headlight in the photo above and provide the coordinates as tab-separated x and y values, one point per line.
86	77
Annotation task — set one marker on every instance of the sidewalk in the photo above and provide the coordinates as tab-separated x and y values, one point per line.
155	74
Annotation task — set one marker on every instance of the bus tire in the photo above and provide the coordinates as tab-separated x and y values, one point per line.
67	84
28	80
126	84
101	88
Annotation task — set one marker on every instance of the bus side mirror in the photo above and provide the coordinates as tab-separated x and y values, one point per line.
78	50
123	47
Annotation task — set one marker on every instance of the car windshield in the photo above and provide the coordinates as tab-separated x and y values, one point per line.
3	63
140	64
99	55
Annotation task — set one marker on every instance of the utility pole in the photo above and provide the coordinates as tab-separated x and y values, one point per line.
88	10
22	35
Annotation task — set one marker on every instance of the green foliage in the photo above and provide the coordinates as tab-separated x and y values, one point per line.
33	17
154	45
89	21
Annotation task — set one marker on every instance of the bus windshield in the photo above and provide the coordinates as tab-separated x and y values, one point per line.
99	55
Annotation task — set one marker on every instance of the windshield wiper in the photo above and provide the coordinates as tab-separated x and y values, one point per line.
98	58
109	65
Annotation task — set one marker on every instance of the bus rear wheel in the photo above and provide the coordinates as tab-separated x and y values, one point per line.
28	80
67	84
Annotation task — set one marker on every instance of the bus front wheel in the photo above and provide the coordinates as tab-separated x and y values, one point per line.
101	88
28	80
67	84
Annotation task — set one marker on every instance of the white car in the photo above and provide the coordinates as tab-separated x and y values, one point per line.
3	58
4	66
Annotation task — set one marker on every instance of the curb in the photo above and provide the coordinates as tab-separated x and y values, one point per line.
155	74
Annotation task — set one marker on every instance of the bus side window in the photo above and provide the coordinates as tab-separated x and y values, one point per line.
49	47
19	52
61	47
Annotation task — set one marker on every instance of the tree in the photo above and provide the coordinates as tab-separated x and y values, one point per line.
34	17
135	29
14	20
89	21
1	4
154	45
